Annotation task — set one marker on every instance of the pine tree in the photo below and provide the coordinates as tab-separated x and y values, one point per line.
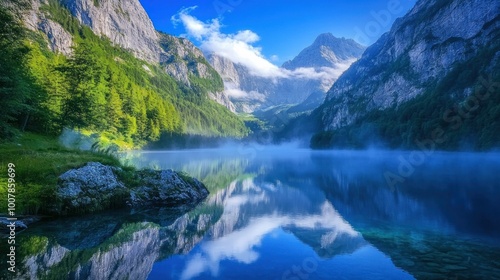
84	106
15	91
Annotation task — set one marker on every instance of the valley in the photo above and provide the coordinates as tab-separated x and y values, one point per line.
312	156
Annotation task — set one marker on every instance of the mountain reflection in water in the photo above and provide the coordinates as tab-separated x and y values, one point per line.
289	214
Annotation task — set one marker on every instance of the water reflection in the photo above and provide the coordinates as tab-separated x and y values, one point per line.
252	212
270	214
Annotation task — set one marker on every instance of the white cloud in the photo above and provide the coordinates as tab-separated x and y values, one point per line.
234	92
240	49
236	47
240	244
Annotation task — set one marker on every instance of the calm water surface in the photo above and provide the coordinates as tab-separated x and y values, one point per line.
292	214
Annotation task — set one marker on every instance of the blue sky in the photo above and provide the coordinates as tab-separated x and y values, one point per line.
277	30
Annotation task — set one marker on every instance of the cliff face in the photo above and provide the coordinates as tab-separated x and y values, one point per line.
133	259
126	24
182	60
419	51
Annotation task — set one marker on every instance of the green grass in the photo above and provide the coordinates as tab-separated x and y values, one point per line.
39	160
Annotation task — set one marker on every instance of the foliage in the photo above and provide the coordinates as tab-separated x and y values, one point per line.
450	108
39	160
33	245
16	85
100	88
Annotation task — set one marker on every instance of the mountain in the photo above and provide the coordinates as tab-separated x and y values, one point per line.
433	73
187	64
127	25
312	72
137	83
124	22
326	51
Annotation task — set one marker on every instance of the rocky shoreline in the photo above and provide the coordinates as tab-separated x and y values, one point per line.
97	187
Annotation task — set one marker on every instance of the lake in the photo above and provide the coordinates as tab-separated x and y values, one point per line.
288	213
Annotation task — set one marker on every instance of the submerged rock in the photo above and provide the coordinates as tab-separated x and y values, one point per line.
96	187
20	224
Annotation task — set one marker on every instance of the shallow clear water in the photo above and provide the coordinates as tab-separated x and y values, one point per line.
294	214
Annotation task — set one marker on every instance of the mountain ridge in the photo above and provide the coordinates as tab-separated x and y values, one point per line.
411	62
327	44
126	24
313	71
78	77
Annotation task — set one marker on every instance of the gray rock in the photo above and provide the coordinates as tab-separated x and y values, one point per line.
221	98
166	188
43	261
95	187
124	22
91	187
132	259
326	51
59	39
181	59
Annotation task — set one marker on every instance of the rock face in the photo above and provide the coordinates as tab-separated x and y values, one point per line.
184	61
132	259
182	58
326	51
95	187
124	22
59	39
313	71
418	51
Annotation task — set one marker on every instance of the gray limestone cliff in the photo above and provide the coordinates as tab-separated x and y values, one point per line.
419	51
127	25
182	60
124	22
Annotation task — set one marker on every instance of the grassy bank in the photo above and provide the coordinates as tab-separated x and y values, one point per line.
38	161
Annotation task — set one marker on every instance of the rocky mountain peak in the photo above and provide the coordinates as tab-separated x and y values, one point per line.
326	51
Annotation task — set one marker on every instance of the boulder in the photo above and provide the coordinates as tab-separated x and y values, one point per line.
166	188
89	188
95	187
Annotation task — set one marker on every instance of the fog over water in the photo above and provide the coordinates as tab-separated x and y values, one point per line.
290	213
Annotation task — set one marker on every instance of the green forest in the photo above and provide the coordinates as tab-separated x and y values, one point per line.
100	88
